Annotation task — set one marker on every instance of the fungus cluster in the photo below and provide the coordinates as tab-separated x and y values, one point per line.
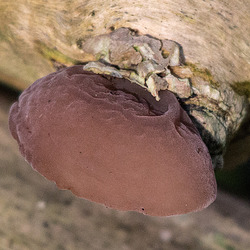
109	141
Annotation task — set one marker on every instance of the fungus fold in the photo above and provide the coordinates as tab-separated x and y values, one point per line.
109	141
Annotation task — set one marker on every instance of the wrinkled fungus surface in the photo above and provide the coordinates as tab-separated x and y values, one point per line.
109	141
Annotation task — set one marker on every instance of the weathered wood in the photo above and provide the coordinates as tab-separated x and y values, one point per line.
213	34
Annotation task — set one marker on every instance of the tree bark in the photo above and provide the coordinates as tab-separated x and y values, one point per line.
39	36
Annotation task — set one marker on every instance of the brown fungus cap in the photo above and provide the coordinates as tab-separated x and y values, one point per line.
109	141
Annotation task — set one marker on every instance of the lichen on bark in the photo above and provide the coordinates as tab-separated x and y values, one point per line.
159	65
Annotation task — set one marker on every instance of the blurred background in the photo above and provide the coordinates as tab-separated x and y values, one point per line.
35	215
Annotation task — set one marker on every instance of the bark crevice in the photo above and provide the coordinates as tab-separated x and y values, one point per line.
159	65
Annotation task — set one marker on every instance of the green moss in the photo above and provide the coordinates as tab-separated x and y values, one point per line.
222	242
242	88
185	17
136	48
104	54
55	55
203	73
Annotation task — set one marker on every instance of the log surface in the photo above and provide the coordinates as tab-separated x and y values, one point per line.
213	34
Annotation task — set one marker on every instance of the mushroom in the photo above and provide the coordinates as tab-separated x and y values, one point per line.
109	141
